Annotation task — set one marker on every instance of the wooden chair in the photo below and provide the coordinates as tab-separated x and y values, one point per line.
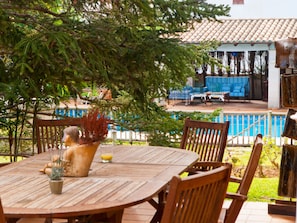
229	214
208	139
238	198
197	198
2	216
49	133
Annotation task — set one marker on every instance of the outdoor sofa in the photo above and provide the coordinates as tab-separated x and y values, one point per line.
238	87
184	93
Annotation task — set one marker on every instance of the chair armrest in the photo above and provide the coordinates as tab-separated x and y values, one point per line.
236	196
203	166
235	179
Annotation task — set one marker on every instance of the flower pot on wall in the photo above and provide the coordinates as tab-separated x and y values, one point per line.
56	186
81	160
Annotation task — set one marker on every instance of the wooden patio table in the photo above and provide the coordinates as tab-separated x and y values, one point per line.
136	175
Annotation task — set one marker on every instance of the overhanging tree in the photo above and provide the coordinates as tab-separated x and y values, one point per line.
130	46
50	50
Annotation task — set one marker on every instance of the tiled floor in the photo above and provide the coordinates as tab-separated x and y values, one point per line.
233	105
252	212
257	212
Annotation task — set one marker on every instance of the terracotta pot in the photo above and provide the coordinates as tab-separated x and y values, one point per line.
81	160
56	186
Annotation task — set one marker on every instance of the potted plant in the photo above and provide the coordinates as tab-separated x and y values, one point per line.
95	127
55	178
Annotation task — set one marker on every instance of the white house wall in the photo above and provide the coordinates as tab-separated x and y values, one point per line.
243	47
252	9
273	82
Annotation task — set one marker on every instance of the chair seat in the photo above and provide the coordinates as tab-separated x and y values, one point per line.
225	207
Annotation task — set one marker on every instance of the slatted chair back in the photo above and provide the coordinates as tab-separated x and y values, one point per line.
2	216
197	198
230	214
208	139
49	133
240	196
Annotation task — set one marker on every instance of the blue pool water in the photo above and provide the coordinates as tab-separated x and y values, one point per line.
251	125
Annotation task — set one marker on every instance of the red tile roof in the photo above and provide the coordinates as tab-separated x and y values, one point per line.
242	31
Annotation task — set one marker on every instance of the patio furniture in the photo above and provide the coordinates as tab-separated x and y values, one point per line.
109	188
229	214
207	139
2	217
201	96
222	96
184	94
238	87
240	196
49	133
197	198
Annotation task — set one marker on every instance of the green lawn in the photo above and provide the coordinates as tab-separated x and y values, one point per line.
262	189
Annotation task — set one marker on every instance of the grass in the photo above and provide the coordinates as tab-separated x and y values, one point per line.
262	189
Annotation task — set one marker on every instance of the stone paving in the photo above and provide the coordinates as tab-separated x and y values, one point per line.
231	106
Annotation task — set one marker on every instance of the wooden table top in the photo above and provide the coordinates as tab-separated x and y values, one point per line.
136	174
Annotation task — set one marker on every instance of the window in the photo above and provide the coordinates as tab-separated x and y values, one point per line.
238	2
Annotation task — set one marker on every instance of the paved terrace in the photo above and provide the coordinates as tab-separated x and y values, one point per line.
252	212
239	106
178	105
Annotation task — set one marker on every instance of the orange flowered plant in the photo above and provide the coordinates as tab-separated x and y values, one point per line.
95	127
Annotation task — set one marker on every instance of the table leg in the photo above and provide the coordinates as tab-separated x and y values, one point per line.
109	217
71	220
160	207
115	217
207	98
12	220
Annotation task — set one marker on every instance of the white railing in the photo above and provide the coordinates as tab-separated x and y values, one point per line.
243	128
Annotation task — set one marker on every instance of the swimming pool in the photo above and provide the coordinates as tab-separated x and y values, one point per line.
252	124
